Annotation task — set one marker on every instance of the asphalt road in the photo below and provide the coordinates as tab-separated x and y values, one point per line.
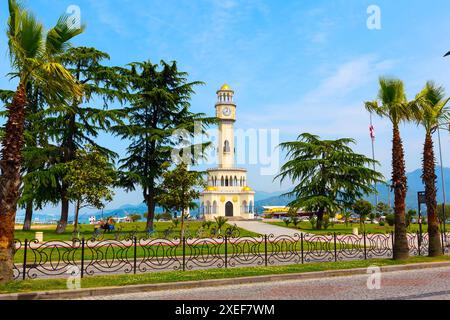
415	285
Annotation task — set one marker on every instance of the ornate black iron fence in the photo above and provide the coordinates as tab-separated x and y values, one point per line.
139	255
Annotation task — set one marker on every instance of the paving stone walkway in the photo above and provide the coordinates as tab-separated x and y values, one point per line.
265	228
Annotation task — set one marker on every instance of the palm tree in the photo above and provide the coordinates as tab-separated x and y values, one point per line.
331	177
33	56
432	113
393	105
220	221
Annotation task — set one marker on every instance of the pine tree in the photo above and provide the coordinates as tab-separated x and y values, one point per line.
78	123
160	102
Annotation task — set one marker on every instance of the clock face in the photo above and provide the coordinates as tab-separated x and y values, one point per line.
226	112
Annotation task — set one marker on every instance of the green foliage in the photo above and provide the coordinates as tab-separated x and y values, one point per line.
329	174
179	190
410	215
287	221
207	224
381	224
135	217
220	221
175	222
159	120
382	209
347	215
90	177
390	219
439	210
363	209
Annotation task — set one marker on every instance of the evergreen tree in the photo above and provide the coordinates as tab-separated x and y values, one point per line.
73	125
160	102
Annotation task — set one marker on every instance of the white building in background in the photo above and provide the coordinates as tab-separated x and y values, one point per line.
228	194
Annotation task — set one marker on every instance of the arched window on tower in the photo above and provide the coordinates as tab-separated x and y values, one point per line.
226	182
222	182
226	147
214	208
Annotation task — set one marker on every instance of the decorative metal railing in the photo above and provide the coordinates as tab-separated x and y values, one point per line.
134	254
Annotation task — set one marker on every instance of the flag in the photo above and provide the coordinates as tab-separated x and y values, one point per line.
372	132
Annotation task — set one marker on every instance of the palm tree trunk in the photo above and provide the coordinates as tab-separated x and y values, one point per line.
429	179
401	249
10	180
28	216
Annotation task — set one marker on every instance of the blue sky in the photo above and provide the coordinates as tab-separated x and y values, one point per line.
296	66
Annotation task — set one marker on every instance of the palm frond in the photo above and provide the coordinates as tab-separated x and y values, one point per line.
58	37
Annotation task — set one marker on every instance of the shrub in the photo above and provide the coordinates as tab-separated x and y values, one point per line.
287	222
381	224
390	219
135	217
175	222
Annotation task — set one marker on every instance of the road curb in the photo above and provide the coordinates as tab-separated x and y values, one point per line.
93	292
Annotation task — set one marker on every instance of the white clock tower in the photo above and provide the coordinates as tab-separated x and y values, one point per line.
227	193
226	113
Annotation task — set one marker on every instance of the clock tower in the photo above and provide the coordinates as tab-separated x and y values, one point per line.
226	113
227	194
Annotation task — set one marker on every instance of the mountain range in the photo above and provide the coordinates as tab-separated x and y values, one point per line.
263	198
415	185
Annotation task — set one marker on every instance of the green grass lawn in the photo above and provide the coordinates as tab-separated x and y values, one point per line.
305	226
178	276
86	231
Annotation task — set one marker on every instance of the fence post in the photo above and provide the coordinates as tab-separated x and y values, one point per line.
365	245
419	242
443	241
184	254
393	243
24	269
265	250
135	254
301	246
226	251
335	247
82	257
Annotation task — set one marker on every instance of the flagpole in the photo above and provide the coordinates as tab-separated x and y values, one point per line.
372	136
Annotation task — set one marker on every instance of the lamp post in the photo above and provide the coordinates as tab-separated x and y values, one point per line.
421	198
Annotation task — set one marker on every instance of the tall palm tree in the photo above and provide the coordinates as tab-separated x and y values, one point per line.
33	53
433	112
392	104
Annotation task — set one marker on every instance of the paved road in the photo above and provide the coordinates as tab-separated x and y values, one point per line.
416	285
265	228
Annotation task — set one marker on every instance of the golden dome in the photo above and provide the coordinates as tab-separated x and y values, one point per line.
247	189
225	87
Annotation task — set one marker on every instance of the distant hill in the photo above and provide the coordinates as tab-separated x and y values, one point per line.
414	185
